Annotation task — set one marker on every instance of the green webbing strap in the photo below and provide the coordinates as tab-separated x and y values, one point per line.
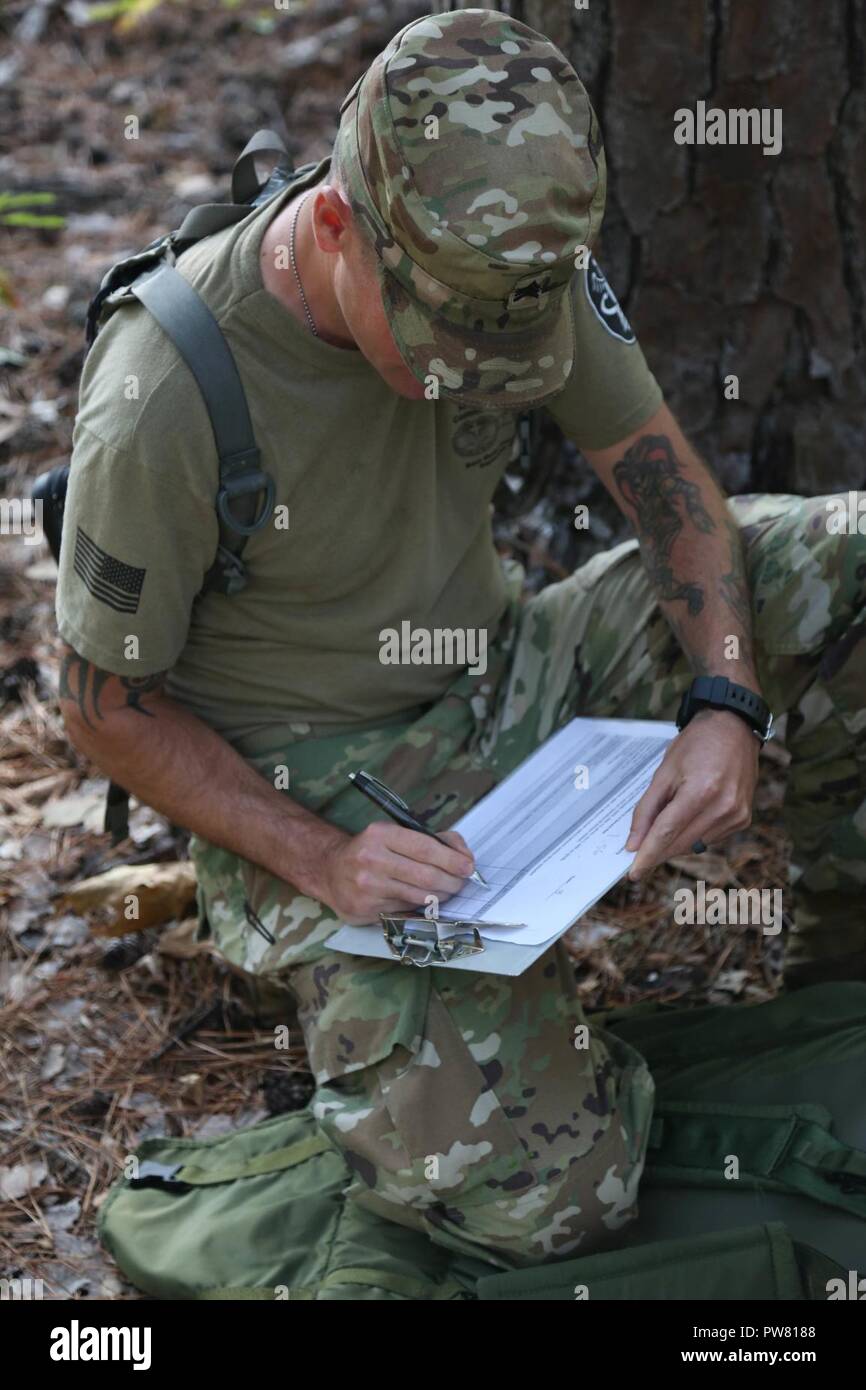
820	1150
183	315
246	185
780	1148
245	181
209	218
273	1162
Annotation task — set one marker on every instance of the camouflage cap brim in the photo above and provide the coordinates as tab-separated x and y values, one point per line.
491	368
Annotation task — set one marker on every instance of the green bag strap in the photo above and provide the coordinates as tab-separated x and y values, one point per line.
183	315
274	1162
246	186
208	218
821	1150
779	1147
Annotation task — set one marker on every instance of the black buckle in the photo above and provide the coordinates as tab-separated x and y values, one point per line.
227	574
153	1174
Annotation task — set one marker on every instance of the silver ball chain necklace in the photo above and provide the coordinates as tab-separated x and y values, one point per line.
310	320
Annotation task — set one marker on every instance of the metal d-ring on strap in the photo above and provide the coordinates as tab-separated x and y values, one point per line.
241	484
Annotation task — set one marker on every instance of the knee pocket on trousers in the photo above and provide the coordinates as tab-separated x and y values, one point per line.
453	1127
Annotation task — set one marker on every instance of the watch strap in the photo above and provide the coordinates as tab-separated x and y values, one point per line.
717	692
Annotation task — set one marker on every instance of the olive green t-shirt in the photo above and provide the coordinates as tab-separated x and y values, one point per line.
383	505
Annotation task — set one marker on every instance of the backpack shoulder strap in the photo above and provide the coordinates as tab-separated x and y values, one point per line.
183	315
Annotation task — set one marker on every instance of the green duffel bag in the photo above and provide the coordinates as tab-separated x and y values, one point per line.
778	1087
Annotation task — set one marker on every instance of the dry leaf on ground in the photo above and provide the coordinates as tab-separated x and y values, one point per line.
154	893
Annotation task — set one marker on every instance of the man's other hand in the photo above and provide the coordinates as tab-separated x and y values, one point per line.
702	790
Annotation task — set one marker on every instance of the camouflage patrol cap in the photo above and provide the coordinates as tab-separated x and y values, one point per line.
474	163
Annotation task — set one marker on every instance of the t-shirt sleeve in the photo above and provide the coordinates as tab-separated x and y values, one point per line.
610	390
137	543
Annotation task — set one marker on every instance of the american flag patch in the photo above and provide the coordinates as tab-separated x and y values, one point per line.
109	580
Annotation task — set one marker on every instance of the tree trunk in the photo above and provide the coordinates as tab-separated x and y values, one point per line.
728	261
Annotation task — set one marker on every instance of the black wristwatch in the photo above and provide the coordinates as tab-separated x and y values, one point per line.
717	692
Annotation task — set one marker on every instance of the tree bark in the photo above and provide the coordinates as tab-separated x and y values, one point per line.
730	262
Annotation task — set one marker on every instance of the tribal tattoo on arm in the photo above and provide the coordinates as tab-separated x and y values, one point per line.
83	685
650	478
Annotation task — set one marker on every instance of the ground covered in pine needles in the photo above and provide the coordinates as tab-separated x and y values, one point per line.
108	1036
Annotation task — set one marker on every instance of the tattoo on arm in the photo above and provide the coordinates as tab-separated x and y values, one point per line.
734	586
82	683
650	478
137	686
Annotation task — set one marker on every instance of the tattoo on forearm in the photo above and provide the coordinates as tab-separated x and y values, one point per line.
650	478
83	683
137	686
734	586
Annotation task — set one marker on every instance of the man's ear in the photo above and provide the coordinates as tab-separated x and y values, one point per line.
332	218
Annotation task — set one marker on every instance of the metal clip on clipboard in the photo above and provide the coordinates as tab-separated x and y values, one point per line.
418	940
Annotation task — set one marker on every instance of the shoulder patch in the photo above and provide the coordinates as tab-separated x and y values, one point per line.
108	579
605	303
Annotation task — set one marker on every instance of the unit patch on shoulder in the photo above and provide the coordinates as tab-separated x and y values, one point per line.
605	303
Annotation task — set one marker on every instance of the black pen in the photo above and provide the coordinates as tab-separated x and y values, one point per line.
395	807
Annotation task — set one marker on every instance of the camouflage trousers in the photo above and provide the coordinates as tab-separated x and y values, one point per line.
460	1100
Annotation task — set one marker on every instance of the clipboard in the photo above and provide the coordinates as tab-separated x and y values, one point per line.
549	840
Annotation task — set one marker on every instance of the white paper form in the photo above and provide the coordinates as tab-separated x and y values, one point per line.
548	846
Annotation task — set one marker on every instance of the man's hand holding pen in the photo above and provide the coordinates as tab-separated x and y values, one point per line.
388	869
